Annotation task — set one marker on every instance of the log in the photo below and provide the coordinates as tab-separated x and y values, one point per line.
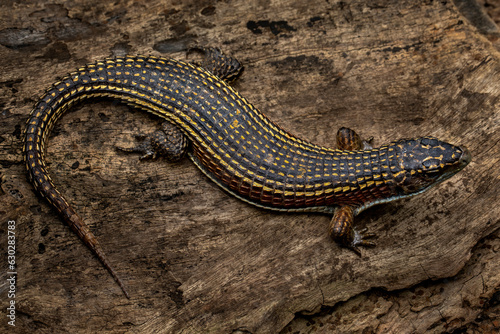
196	260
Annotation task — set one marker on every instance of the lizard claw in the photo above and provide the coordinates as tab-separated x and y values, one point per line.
362	234
360	240
343	232
144	148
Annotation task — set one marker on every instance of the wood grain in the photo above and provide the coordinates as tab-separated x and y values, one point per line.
198	261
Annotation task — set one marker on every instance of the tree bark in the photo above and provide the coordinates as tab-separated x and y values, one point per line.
196	260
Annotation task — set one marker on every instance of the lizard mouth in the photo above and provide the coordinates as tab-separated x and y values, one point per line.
465	158
462	161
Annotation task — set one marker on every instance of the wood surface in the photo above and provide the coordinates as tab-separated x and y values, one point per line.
196	260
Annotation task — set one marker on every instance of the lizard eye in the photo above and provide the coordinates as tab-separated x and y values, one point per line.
431	163
429	141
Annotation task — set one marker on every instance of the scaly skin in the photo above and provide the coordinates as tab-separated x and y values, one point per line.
238	147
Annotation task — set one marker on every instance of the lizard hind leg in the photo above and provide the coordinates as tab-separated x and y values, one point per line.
225	67
341	230
169	142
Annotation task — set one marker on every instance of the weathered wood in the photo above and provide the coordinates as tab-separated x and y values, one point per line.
197	260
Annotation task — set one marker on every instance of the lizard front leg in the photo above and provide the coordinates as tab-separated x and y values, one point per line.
341	230
341	227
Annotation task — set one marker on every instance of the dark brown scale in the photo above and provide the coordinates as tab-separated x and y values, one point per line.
238	147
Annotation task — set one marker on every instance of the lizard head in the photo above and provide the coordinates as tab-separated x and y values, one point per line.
426	161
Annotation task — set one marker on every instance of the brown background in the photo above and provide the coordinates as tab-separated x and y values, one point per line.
196	260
